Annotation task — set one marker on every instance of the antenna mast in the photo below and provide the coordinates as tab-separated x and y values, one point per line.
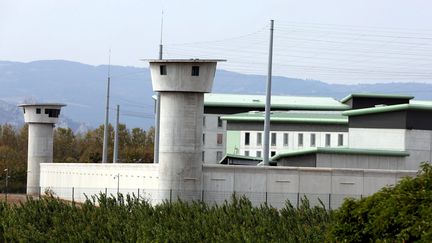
105	141
158	96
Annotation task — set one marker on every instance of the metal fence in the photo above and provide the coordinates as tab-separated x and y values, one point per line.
154	196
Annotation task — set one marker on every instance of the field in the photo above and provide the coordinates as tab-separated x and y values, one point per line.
14	198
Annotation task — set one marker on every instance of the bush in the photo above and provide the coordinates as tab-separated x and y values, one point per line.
402	213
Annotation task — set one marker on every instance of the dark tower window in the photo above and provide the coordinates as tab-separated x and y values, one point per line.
52	112
163	70
195	70
247	138
38	110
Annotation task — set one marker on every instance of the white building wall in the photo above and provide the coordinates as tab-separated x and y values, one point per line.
261	184
419	145
377	138
293	141
211	130
361	161
277	184
84	178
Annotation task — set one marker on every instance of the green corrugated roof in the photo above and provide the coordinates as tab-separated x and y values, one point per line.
238	156
375	95
291	117
421	102
352	151
389	108
278	102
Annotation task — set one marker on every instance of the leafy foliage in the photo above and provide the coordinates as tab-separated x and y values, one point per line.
129	219
135	145
402	213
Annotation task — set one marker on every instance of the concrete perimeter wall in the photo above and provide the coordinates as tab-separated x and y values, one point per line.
273	185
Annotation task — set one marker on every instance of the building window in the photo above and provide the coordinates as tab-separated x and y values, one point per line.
203	138
219	139
327	140
272	153
219	121
300	139
259	139
218	156
195	70
340	139
202	156
273	139
163	70
24	110
312	140
52	112
285	139
38	110
204	121
258	154
247	138
246	152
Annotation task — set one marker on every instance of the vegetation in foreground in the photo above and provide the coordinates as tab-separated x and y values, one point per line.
402	213
128	219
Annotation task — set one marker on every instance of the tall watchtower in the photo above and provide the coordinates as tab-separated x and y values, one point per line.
182	84
41	119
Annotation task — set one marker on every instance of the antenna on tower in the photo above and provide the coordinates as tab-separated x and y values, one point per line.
161	36
105	141
158	97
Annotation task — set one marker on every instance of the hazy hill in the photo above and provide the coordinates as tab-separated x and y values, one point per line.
83	88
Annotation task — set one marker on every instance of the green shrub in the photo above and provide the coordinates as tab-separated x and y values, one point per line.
402	213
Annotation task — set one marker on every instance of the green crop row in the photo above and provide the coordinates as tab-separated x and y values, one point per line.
128	219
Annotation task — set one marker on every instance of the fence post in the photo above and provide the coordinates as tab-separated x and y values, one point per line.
138	193
106	192
329	201
298	199
73	194
39	191
266	197
170	196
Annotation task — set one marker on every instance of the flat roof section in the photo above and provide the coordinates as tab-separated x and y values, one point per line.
309	117
183	60
375	95
390	108
350	151
277	102
238	156
42	104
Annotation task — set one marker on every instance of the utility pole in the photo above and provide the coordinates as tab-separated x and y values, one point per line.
157	110
268	99
116	131
6	184
105	141
118	182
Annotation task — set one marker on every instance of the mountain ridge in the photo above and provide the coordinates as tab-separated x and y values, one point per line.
83	87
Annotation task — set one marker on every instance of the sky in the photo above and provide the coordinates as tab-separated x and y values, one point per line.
338	41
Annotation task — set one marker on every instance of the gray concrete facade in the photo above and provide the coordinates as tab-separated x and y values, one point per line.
181	84
41	119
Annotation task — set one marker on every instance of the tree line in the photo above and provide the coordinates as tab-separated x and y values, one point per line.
135	146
